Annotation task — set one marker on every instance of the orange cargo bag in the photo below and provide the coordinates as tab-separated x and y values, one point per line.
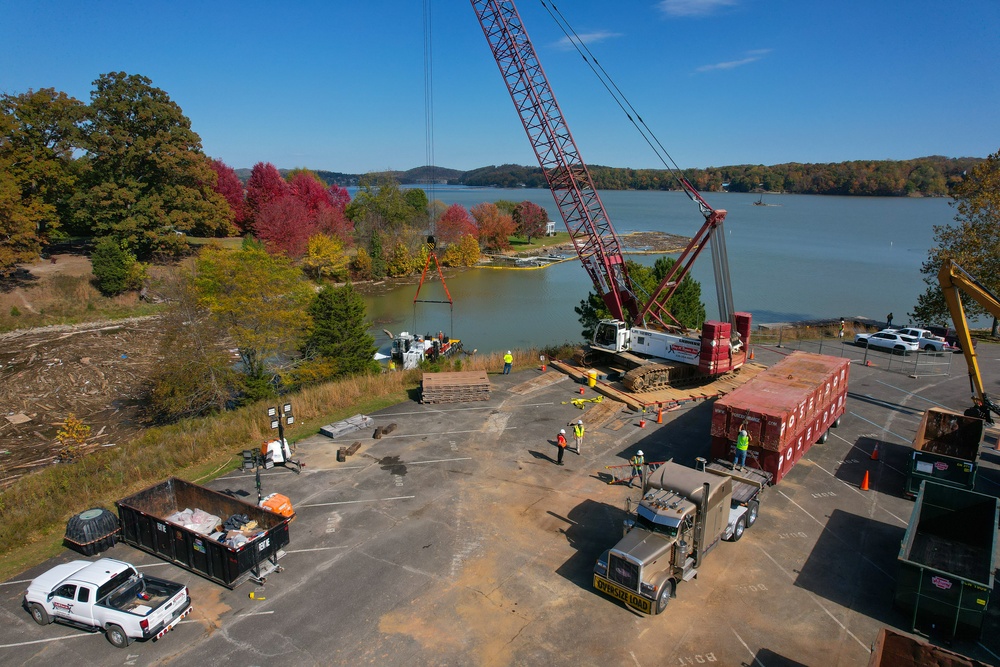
278	504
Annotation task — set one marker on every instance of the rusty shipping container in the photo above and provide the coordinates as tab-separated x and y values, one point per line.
945	450
785	410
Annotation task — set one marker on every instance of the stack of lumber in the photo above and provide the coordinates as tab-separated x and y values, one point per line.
455	387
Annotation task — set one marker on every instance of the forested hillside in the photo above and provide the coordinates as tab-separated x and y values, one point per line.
927	176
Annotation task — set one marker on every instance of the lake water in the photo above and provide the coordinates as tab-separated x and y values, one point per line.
805	257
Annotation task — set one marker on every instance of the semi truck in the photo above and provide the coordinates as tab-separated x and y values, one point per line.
224	539
107	596
684	514
946	561
784	410
945	450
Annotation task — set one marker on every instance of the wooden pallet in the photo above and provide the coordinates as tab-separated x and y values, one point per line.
455	387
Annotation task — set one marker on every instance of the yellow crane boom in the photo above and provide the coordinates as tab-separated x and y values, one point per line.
953	278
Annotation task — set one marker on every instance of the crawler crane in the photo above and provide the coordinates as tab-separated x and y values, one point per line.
655	356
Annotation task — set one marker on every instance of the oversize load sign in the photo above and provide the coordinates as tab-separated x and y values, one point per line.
628	597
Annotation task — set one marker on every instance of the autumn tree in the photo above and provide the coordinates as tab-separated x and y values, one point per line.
285	226
530	220
264	186
259	300
195	376
494	227
39	133
453	224
229	186
115	267
19	219
973	243
146	177
325	258
379	204
685	304
463	253
338	337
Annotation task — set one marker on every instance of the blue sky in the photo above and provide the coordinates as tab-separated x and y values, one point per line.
339	85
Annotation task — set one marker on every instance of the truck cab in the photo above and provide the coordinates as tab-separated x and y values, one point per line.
683	515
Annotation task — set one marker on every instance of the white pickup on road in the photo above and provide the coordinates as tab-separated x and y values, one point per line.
108	595
927	340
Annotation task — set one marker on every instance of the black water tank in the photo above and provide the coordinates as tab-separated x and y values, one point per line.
92	531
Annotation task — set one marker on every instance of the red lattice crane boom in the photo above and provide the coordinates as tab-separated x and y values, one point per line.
595	240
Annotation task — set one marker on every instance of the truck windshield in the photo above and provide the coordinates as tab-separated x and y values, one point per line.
646	524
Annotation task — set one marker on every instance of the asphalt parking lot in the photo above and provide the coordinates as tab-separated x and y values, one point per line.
456	540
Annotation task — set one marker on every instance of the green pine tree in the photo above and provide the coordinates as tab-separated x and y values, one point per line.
339	334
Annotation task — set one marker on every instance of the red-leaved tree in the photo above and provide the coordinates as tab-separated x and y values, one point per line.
530	219
453	224
310	191
495	227
264	186
285	225
228	185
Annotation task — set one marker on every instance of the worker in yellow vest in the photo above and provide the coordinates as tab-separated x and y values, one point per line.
508	361
742	444
578	434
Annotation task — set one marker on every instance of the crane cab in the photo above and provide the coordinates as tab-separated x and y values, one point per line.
612	335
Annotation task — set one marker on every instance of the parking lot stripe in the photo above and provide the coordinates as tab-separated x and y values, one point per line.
42	641
478	407
749	650
414	463
351	502
910	393
879	426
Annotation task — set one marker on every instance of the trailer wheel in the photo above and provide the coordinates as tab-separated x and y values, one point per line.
836	423
753	508
38	614
739	528
823	437
117	636
665	594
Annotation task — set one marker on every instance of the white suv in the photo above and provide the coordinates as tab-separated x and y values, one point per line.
888	339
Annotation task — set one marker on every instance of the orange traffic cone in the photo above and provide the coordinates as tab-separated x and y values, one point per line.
864	482
751	354
659	413
875	453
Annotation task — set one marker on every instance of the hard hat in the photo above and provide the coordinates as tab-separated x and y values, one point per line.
639	452
743	431
508	351
579	421
563	431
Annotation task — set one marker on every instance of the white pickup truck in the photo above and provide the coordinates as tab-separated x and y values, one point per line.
927	340
108	595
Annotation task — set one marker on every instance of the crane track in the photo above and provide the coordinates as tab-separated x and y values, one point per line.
652	377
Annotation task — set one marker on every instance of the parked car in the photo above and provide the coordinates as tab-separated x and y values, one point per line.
888	339
949	335
927	340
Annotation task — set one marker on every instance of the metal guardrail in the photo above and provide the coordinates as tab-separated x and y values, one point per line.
924	363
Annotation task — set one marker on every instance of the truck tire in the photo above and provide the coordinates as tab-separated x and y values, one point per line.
38	614
753	509
836	422
665	594
823	437
739	528
117	636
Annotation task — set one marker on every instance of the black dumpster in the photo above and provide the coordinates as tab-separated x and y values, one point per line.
145	526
